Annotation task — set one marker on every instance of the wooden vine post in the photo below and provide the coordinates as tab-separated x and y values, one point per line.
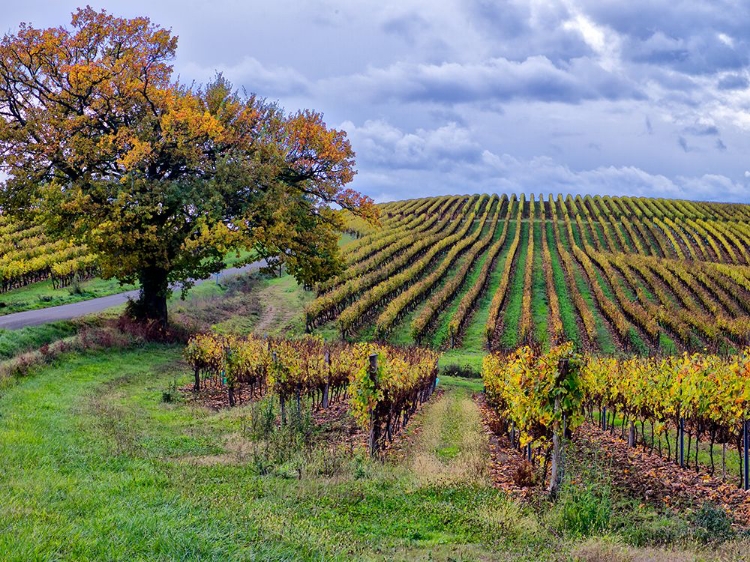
373	369
557	433
282	400
746	454
681	445
228	375
326	388
197	384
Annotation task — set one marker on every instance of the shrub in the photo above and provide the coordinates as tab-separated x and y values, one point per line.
713	524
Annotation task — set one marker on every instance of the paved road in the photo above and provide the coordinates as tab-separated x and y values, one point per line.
77	309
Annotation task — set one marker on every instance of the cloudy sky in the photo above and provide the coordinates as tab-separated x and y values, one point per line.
621	97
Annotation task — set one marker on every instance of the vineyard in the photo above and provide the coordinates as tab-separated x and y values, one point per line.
683	408
384	386
27	256
496	272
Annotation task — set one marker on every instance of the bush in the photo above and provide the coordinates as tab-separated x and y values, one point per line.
651	529
152	331
713	524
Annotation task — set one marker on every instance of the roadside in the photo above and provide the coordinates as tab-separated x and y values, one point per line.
76	310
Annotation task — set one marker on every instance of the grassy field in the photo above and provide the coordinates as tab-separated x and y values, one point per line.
103	457
15	342
97	466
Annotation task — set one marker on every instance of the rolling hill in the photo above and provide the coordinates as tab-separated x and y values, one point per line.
493	272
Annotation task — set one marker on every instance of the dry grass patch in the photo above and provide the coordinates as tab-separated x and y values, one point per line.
452	447
597	550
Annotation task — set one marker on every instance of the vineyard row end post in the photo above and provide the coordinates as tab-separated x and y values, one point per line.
746	455
373	369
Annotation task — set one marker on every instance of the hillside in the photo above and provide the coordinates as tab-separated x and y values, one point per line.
609	273
28	256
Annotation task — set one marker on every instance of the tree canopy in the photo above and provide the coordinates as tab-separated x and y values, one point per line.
160	179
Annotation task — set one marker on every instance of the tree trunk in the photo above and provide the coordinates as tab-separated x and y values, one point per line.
152	302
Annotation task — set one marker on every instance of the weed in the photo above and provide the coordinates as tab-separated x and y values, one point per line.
170	395
75	287
524	476
283	449
584	510
466	371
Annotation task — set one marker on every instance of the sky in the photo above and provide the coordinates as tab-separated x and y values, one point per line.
619	97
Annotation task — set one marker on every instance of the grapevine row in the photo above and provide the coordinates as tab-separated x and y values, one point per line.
384	385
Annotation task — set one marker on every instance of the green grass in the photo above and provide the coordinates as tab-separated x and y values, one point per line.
401	334
576	233
96	466
600	235
248	303
112	473
567	308
539	302
634	338
514	301
473	339
462	359
586	232
469	384
667	345
441	334
451	446
631	245
44	295
15	342
603	337
240	257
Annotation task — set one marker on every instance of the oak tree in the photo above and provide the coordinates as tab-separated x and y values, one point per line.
159	179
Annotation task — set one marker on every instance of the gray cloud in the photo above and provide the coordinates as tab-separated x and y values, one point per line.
535	78
384	145
702	130
518	29
406	26
733	82
445	160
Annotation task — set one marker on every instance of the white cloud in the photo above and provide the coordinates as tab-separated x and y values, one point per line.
446	160
384	145
267	81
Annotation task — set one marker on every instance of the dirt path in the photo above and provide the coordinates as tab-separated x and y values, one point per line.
452	445
267	319
78	309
